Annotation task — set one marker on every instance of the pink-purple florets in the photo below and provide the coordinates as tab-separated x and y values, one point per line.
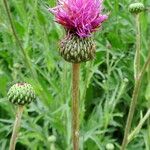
81	17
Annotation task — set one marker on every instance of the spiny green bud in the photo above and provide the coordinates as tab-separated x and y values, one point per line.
21	94
136	8
76	50
110	146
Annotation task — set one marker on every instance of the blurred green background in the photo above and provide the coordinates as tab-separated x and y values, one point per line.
106	83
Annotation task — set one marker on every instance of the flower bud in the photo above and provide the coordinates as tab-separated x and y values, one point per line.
110	146
76	50
125	80
21	94
52	139
136	8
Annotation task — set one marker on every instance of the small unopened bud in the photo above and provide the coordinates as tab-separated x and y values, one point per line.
104	81
52	139
114	57
21	94
136	8
110	146
126	80
16	66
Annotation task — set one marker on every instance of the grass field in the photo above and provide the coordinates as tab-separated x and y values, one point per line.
106	83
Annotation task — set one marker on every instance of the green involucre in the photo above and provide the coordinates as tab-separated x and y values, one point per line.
21	94
76	50
136	8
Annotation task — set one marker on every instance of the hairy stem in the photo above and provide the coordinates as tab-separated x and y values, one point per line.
139	126
137	83
133	103
75	105
138	47
16	128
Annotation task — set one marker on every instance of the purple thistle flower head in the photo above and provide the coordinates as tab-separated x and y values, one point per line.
81	17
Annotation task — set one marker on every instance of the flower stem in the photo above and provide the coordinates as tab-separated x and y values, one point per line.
137	82
139	126
16	128
138	47
133	103
52	147
75	105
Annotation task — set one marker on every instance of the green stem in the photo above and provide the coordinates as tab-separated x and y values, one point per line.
75	105
148	132
139	126
52	147
16	128
137	83
133	103
138	47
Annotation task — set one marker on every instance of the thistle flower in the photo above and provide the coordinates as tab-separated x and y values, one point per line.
80	18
